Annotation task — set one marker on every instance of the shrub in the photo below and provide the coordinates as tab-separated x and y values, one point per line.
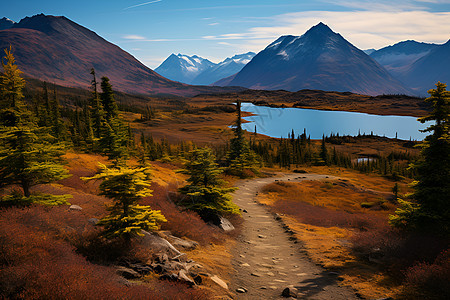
429	281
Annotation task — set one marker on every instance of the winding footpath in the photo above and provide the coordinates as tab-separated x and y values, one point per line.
267	260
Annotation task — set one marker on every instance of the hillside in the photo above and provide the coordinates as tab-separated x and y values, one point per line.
58	50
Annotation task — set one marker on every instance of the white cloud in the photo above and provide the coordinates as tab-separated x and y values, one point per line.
364	29
141	4
213	24
134	37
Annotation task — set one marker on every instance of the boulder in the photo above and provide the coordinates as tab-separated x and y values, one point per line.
127	272
182	243
182	276
158	244
75	207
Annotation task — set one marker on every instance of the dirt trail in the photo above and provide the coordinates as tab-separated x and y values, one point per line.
266	261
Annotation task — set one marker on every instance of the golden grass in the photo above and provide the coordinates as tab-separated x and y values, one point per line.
332	194
328	246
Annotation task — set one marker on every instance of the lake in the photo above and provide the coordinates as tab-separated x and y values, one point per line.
278	122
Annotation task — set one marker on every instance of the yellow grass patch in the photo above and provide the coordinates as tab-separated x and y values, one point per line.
330	248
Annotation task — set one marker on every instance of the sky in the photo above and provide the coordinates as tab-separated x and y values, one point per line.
152	30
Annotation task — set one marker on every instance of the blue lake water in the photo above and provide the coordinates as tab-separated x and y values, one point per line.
278	122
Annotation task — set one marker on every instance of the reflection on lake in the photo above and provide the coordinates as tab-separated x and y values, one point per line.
278	122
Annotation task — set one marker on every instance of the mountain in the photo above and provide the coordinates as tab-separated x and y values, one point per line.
369	51
224	69
6	23
200	71
60	51
425	72
319	59
398	57
183	68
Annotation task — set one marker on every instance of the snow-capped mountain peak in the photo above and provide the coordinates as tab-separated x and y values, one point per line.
197	70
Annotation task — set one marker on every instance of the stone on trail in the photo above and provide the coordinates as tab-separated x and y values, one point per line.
290	291
219	281
241	290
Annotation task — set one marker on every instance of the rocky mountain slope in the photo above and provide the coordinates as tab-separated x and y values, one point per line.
200	71
319	59
58	50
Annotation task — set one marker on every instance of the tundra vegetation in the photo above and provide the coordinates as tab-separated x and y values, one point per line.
51	138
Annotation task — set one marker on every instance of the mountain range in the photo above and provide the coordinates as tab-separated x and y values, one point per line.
418	65
319	59
200	71
58	50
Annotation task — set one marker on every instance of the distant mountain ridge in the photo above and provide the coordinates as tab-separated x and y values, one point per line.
183	68
319	59
58	50
200	71
6	23
398	57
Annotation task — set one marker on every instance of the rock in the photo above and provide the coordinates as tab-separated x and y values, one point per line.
245	211
219	281
221	222
140	268
197	279
158	244
127	272
261	236
182	276
290	291
277	217
75	207
182	243
255	274
241	290
93	221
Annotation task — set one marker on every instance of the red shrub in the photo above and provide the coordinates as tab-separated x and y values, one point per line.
34	264
320	216
429	281
181	223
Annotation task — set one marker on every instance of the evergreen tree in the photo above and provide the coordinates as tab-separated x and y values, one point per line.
205	192
108	101
126	187
28	156
240	157
97	112
431	209
323	152
11	84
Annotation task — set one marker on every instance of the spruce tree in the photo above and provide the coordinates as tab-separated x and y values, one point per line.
240	157
97	112
430	209
126	186
28	155
205	192
108	101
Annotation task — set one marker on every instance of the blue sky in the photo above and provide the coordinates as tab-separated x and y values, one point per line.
152	30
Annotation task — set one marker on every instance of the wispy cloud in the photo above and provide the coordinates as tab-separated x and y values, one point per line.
213	24
134	37
142	4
